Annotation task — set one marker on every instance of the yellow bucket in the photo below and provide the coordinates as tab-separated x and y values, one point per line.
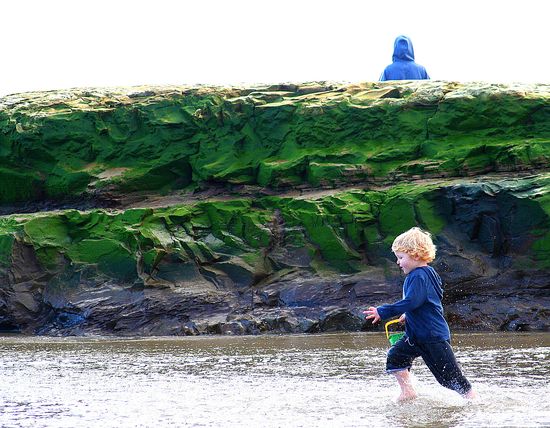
393	336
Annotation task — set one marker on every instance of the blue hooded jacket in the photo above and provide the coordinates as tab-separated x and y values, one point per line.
422	294
403	66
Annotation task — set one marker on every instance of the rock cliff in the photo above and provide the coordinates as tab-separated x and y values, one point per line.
188	210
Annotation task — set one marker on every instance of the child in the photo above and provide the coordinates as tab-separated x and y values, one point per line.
426	331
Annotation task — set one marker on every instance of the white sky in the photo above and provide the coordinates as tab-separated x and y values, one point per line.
53	44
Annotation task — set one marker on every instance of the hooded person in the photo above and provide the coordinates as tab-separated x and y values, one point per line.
403	66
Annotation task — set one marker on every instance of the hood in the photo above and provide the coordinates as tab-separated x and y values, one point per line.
403	49
435	278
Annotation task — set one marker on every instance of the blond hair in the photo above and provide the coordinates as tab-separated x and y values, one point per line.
417	243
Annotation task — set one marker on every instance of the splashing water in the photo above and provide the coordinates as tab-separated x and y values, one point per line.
264	381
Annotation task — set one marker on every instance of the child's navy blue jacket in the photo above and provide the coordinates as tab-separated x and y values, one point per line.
422	294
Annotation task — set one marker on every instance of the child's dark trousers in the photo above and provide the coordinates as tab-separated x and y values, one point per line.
438	356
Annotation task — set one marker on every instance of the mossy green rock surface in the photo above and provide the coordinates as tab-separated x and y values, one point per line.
58	145
155	211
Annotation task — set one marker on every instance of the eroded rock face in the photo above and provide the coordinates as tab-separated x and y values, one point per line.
239	211
94	143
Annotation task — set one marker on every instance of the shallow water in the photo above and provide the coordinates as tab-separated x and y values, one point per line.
332	380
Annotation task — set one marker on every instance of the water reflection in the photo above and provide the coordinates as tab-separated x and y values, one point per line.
263	381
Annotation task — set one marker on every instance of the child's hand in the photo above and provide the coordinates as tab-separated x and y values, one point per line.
372	314
402	319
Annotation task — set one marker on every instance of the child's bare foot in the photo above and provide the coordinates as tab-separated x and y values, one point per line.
471	395
407	396
408	392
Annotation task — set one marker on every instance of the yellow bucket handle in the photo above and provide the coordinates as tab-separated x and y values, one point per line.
387	325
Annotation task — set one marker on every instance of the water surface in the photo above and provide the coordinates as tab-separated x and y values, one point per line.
264	381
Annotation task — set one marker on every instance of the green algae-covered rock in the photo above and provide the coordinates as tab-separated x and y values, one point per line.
63	143
188	210
481	227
